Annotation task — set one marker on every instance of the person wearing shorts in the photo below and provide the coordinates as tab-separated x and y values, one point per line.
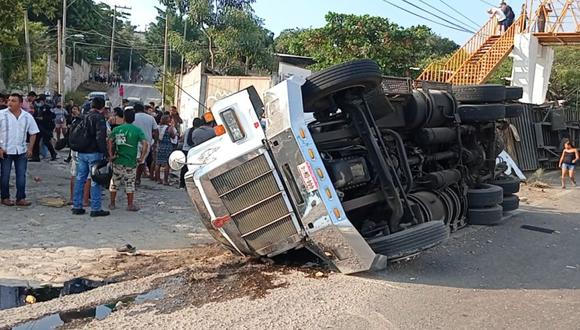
568	161
60	115
123	148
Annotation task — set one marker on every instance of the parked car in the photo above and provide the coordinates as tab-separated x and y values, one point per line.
132	100
102	95
381	171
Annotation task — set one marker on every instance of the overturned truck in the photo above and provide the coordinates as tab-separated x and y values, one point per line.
354	166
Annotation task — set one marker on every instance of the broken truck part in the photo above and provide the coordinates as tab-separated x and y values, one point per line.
354	166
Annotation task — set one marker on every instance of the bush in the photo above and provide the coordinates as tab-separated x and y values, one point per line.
77	96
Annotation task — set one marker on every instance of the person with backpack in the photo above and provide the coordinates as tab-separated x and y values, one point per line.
88	137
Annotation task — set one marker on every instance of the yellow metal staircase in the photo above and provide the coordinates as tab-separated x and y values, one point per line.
475	61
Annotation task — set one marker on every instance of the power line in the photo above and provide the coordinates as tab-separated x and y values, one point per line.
439	17
108	37
425	18
447	14
458	12
174	83
122	47
488	3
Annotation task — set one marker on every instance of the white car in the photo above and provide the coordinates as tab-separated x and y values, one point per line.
132	100
102	95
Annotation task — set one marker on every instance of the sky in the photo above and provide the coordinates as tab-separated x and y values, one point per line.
282	14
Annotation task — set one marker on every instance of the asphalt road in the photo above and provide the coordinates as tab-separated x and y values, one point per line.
502	277
146	93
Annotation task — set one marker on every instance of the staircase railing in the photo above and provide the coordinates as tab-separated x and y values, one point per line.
442	72
477	72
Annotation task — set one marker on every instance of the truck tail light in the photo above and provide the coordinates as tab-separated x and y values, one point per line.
221	221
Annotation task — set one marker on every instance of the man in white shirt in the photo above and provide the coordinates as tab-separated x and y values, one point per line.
149	127
15	124
498	13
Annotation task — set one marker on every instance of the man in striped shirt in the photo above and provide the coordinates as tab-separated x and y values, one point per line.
15	124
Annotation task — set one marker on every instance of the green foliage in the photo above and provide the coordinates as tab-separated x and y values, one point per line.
346	37
77	96
504	70
169	88
565	79
225	34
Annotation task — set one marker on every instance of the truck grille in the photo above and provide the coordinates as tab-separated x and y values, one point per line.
255	202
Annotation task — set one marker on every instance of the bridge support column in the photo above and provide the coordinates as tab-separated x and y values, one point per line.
531	68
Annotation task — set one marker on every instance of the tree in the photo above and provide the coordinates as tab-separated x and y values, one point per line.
225	34
565	79
346	37
12	53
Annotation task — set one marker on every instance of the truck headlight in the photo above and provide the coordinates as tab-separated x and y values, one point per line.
233	125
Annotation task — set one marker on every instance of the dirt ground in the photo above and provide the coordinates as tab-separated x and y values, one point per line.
47	244
483	277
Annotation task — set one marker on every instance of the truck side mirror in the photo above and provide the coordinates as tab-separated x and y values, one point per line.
177	160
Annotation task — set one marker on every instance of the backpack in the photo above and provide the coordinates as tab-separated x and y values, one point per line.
79	137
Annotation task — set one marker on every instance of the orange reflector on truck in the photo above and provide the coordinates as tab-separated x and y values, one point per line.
219	130
221	221
208	117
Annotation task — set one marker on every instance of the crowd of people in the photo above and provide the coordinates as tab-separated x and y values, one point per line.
134	142
112	80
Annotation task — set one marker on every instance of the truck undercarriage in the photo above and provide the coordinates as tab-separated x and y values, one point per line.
380	171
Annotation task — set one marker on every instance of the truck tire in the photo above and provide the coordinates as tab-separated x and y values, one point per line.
513	93
484	195
514	110
488	216
364	74
509	184
480	93
480	113
410	241
510	203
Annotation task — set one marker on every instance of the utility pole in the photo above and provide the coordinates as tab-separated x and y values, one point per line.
165	57
113	36
112	40
58	57
28	57
182	65
63	45
130	63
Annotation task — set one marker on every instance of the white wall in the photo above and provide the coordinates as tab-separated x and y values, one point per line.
532	67
73	76
190	95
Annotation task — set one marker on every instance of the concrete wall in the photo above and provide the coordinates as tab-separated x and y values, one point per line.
532	67
197	88
189	95
73	76
219	87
